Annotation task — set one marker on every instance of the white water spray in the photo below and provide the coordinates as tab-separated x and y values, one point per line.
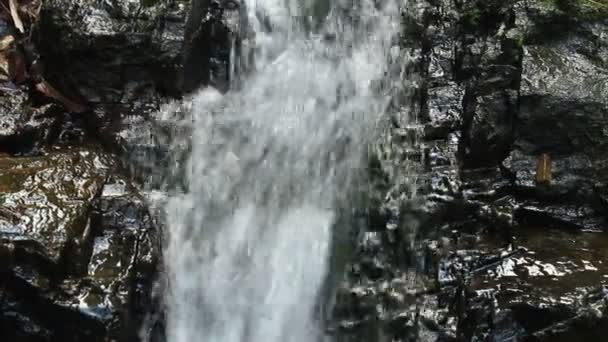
248	243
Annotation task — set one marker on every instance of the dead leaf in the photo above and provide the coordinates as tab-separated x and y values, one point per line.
14	7
6	42
543	169
32	8
12	61
44	87
4	68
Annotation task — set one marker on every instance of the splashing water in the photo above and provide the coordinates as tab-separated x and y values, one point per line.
248	242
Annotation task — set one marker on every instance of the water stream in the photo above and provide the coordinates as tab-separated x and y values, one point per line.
248	242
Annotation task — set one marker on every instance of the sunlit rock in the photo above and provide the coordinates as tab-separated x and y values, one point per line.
46	203
85	249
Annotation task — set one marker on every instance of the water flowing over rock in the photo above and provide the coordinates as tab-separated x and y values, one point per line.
249	240
352	170
502	85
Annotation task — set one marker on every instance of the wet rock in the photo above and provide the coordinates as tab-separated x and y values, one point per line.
115	294
566	95
488	130
214	29
490	103
103	51
46	201
100	47
496	85
16	325
444	110
126	60
22	126
538	285
7	256
159	138
564	91
78	244
573	177
578	217
86	249
555	281
379	303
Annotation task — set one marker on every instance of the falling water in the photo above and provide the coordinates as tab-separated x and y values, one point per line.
248	242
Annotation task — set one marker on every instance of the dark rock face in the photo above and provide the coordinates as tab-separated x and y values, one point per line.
81	246
112	52
22	126
79	250
124	60
45	216
490	249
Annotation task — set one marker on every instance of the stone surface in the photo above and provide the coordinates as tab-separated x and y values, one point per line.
113	53
455	240
124	60
46	202
79	250
23	126
497	84
82	245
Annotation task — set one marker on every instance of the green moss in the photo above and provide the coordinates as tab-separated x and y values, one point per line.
483	17
315	13
148	3
472	18
13	173
520	39
582	9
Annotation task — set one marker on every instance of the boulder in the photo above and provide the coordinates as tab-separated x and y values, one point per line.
83	249
108	52
24	126
498	87
46	203
125	60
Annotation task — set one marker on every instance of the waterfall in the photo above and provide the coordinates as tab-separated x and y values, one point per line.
248	241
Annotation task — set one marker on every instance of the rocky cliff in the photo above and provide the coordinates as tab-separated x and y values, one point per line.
507	103
81	82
